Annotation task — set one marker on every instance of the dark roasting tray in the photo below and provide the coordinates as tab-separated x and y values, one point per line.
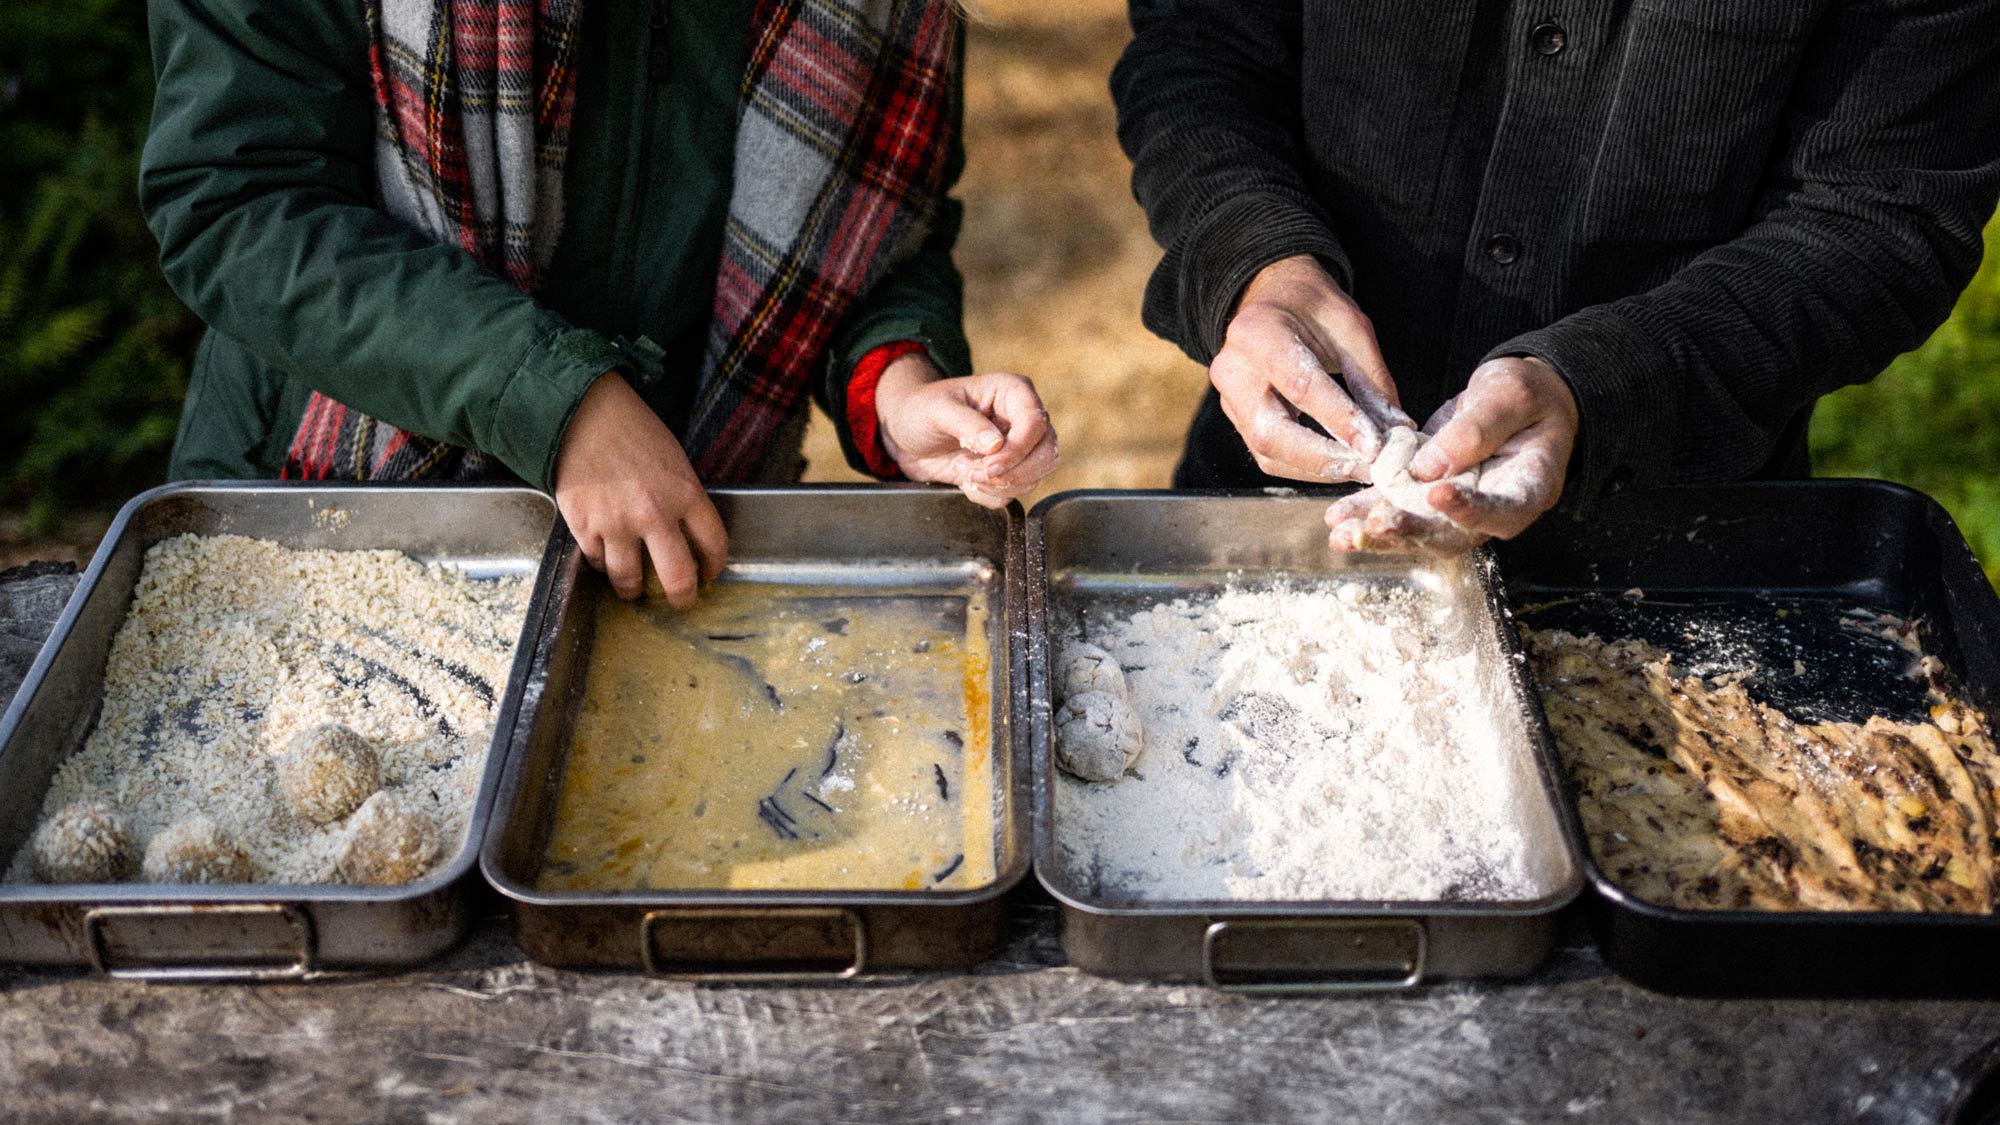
1721	562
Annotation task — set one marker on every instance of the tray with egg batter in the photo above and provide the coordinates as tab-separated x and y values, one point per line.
811	775
1093	554
251	931
1753	579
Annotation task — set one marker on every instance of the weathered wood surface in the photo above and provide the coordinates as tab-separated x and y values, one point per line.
485	1036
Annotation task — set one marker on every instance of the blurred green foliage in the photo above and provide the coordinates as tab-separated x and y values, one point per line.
93	345
1932	421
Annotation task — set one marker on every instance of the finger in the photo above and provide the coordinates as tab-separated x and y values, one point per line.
1039	462
1299	375
709	537
1242	380
1257	421
1285	448
1493	409
982	496
1353	506
591	546
953	416
1350	337
622	565
1367	521
1515	488
1018	410
675	566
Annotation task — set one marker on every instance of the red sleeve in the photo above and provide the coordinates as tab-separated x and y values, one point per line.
862	424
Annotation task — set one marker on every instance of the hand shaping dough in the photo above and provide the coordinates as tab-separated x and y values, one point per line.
1391	473
1088	668
1097	736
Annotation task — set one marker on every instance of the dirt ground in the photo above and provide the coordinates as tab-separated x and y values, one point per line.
1055	252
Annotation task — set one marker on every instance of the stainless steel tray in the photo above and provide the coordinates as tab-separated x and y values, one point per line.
1082	544
251	931
825	536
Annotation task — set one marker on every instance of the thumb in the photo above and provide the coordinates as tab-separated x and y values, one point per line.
967	426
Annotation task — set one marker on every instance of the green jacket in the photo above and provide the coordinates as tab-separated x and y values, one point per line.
258	177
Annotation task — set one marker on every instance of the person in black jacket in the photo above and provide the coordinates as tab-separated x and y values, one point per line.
1631	243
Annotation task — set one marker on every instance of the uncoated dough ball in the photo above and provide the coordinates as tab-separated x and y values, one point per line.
327	771
1088	668
194	850
84	842
1097	736
387	844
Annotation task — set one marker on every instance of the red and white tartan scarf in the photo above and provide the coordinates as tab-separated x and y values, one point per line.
840	155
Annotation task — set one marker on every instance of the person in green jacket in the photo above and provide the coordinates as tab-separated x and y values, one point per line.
608	247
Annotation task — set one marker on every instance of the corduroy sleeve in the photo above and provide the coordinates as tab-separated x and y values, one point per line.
1868	228
257	178
1208	96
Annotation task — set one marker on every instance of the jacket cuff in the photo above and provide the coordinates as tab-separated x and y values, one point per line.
864	435
945	349
1625	399
1220	256
536	403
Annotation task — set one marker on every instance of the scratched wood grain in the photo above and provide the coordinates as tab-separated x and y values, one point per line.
487	1037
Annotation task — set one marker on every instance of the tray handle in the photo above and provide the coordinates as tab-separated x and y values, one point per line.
1278	955
230	941
754	945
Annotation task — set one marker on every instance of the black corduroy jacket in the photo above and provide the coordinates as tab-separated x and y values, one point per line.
1703	213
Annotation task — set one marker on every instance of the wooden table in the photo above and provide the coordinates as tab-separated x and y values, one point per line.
485	1036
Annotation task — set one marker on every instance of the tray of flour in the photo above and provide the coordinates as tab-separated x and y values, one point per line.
1268	767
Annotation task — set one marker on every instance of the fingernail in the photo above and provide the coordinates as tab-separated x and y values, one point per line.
986	441
1428	464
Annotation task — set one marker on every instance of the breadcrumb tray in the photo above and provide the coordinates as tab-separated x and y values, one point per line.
1738	581
255	930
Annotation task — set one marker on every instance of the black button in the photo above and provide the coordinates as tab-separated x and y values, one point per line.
1549	39
1503	248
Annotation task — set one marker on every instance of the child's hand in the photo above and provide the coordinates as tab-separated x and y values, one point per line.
629	494
988	435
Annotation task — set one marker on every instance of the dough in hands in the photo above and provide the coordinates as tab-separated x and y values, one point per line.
1085	668
1097	736
1391	474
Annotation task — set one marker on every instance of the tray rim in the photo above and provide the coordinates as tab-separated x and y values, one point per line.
441	878
1566	891
1011	587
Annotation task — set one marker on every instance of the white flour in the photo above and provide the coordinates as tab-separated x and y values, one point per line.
1351	740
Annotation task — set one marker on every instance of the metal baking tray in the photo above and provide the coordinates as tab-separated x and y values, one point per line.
1852	542
249	931
820	535
1165	544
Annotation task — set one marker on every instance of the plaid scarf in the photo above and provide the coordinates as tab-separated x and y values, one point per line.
840	154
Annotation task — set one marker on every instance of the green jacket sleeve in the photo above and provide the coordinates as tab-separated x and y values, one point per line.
922	299
258	180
